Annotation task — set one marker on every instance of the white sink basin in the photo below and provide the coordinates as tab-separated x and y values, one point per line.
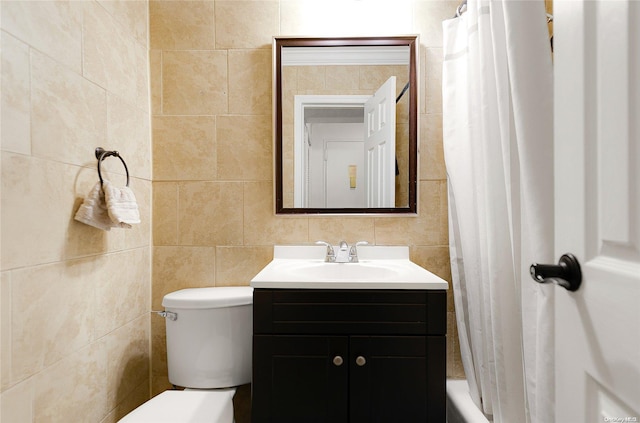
363	271
379	267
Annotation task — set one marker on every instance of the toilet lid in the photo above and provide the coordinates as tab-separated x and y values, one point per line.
185	407
209	297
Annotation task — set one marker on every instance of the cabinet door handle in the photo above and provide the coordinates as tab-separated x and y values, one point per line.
361	361
337	360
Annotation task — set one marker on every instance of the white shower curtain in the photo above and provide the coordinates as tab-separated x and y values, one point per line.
498	142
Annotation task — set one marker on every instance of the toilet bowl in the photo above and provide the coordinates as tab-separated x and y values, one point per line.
209	334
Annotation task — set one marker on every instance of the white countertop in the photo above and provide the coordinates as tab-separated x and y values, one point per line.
379	267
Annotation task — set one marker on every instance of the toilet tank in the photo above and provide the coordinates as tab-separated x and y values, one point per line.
209	343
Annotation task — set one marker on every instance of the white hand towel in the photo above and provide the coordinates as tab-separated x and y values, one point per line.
121	205
93	210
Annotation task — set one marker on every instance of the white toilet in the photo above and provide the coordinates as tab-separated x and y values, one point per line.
209	334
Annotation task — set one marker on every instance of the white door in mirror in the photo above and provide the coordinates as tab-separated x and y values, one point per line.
380	146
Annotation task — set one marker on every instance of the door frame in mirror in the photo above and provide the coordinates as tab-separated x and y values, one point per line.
410	41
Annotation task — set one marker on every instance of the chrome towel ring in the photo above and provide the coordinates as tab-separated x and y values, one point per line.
102	154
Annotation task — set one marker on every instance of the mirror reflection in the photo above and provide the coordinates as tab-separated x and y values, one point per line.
345	125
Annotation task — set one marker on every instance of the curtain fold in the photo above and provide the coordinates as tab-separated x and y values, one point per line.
498	143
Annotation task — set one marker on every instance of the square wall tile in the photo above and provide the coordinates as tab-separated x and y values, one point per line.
244	148
180	25
194	82
209	213
184	148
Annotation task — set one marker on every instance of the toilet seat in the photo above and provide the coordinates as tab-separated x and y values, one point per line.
188	406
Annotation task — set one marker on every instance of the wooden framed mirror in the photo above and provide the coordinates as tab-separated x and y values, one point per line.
345	125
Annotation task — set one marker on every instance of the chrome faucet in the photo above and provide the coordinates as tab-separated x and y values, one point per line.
344	254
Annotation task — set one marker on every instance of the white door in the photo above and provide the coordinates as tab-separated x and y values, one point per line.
342	158
304	130
380	145
332	148
597	176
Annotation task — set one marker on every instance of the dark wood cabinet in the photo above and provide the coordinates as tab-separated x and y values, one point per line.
297	380
357	356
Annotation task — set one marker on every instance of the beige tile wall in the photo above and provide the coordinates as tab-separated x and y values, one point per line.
75	333
212	178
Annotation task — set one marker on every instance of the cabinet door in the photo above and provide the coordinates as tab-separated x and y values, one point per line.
297	380
397	379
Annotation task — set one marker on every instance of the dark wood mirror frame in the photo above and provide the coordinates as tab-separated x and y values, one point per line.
410	41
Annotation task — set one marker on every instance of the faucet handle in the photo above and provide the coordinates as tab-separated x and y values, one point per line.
353	251
325	243
331	255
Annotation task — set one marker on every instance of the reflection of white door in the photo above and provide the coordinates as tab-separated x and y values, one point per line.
380	146
597	174
339	193
332	148
333	104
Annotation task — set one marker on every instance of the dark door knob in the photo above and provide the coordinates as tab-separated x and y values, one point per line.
566	273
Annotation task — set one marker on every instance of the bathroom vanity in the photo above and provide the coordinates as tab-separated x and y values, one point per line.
348	342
